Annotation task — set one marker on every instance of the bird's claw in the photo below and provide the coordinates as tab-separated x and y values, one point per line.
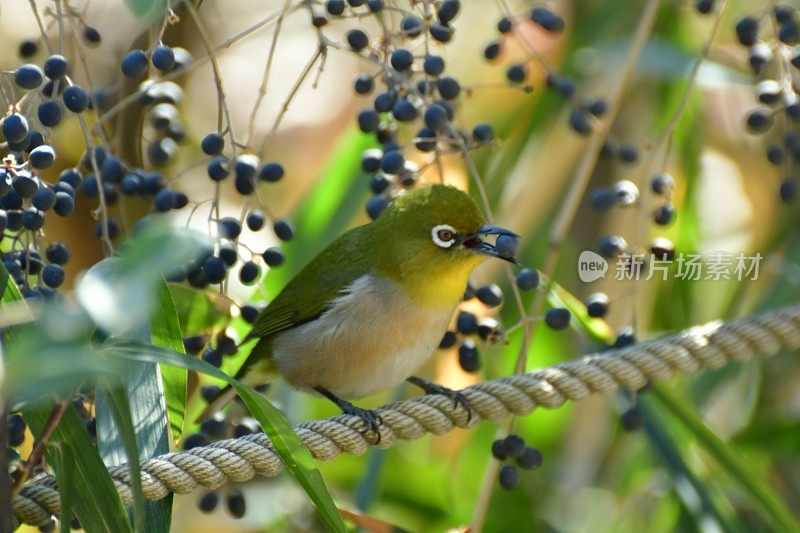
370	418
459	400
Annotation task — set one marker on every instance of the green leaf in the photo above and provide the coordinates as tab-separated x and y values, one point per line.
97	503
39	368
122	296
329	208
118	292
775	510
165	332
335	185
116	401
65	476
8	289
146	9
288	446
596	328
140	405
198	311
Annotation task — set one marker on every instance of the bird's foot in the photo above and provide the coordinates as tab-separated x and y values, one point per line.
369	417
459	400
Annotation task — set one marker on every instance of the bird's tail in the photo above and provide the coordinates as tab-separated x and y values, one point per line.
257	369
219	401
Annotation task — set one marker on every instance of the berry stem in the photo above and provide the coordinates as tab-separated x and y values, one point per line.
39	23
262	89
221	99
41	445
262	150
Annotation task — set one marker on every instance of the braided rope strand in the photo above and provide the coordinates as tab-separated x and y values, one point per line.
238	460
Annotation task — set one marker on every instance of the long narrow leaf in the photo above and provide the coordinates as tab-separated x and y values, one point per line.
97	503
294	454
8	289
329	208
697	501
65	475
198	310
140	405
119	409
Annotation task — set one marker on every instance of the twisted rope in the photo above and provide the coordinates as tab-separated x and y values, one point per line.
238	460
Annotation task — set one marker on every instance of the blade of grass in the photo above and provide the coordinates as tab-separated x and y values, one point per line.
165	332
198	310
699	504
8	289
294	454
141	405
773	507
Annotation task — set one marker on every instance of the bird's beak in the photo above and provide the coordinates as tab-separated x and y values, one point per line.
505	245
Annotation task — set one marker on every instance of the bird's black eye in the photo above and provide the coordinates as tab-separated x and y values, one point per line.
444	236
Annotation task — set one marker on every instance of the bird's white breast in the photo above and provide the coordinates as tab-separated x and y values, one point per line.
370	339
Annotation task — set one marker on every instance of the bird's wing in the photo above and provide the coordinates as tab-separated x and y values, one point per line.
312	290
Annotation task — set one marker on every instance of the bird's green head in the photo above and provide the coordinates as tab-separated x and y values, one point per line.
434	236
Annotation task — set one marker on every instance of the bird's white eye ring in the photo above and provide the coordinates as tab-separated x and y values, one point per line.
444	235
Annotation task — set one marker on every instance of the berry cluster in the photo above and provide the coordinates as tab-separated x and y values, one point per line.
26	197
469	326
413	114
234	501
512	450
413	92
213	347
774	57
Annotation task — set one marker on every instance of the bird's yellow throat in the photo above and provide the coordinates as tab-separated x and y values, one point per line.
441	285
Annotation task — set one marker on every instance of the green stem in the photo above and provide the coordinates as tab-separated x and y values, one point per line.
775	510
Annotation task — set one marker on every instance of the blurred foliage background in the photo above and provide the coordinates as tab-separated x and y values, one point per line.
596	475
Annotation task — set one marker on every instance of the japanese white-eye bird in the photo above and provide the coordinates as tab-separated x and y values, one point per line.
371	308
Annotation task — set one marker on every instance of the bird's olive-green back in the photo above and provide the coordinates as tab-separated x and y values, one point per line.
310	292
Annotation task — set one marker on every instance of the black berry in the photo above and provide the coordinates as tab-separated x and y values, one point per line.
557	318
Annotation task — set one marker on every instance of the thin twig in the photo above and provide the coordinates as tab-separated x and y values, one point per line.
85	65
262	150
222	101
41	445
42	30
262	89
60	21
